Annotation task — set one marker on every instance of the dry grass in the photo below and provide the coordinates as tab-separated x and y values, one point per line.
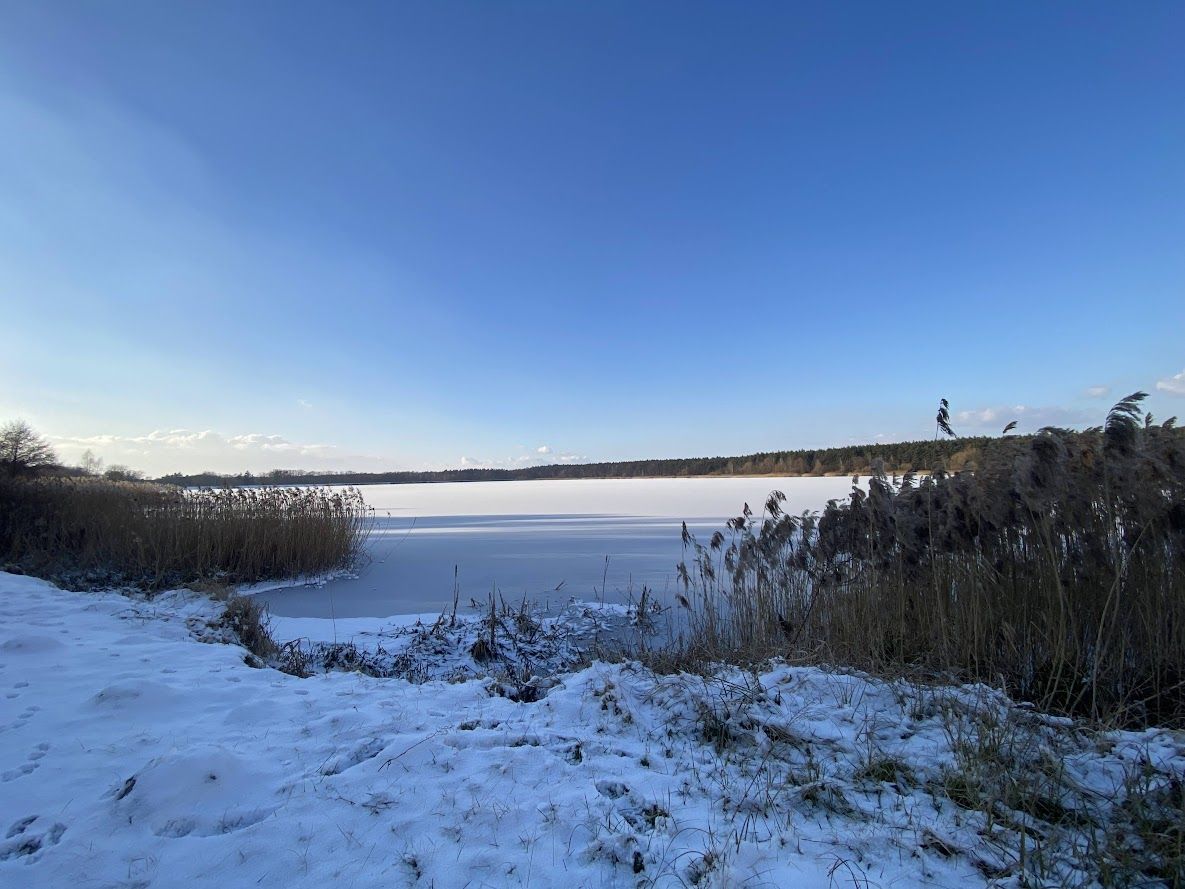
85	532
1055	569
1015	777
247	619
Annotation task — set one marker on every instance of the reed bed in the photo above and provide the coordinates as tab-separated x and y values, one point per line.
84	532
1055	568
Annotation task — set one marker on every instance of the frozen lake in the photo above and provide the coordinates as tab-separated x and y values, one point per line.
546	540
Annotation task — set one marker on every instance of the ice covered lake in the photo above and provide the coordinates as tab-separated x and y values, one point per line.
546	540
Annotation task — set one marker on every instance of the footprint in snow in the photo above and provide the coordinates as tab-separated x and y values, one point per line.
612	789
22	843
230	822
367	750
175	828
22	717
29	767
20	826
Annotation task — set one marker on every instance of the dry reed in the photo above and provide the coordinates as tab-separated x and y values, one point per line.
1055	568
84	532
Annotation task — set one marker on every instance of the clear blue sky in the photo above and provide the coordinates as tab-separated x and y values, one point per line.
242	235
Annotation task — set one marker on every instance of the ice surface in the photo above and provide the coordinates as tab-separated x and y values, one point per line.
543	540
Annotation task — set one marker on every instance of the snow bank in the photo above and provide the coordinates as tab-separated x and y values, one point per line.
133	754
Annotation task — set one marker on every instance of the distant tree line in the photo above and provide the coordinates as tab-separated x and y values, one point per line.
950	454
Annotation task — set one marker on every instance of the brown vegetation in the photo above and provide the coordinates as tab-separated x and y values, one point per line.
1056	569
89	531
247	619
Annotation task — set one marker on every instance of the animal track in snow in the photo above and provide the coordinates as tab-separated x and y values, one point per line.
230	822
612	789
364	751
19	827
22	717
21	843
29	767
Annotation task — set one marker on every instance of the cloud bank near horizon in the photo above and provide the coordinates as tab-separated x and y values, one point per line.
187	451
991	420
161	452
540	456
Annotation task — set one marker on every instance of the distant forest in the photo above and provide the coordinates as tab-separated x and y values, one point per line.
949	454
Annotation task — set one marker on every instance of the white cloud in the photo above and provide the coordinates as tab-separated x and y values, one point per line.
182	450
307	405
1174	385
543	456
164	451
1028	419
980	417
1097	391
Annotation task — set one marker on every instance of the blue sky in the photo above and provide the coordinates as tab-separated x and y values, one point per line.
420	235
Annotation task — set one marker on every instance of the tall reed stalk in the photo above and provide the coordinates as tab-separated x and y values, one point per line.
1055	568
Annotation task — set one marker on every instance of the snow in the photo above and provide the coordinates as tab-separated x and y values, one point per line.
683	497
132	753
528	538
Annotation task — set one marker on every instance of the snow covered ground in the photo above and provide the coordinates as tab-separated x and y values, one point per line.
134	754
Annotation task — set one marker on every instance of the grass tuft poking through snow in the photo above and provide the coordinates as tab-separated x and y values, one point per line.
246	618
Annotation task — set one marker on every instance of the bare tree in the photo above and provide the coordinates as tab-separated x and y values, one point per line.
23	450
90	464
